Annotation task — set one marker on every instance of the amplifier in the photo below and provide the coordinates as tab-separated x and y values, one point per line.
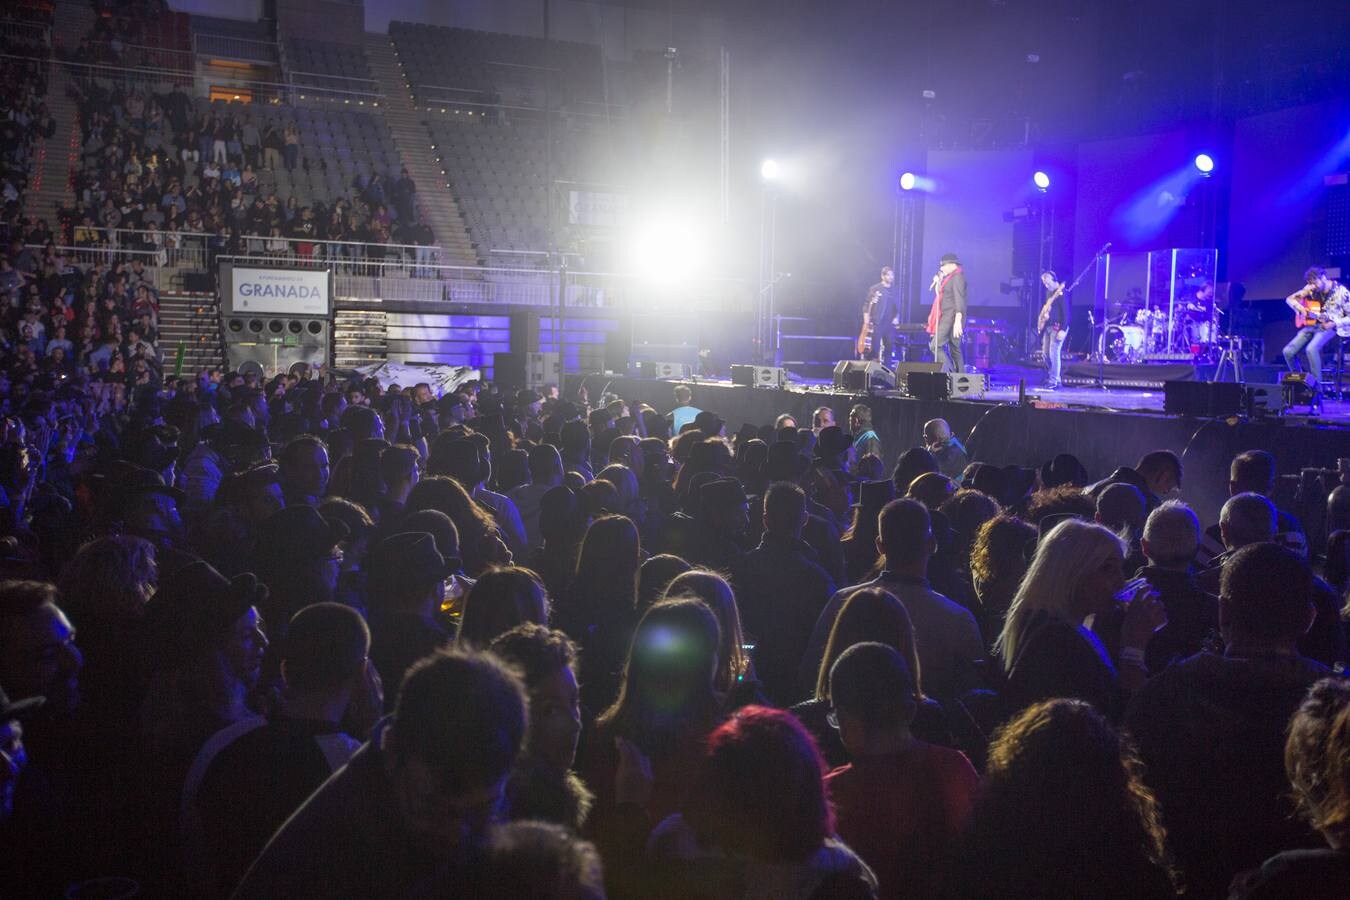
649	369
759	376
944	385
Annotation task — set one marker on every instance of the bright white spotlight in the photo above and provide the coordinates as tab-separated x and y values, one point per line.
908	181
668	250
768	170
1041	180
1205	163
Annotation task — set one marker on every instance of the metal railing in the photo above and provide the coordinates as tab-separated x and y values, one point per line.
150	80
405	280
19	31
105	255
142	56
231	47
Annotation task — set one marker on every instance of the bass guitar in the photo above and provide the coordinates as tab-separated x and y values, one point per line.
868	330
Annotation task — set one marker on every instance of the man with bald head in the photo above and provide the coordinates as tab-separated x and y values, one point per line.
945	447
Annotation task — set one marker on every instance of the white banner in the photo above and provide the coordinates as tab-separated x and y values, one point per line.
280	292
596	209
442	378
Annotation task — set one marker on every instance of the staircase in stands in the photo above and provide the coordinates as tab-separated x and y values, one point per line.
192	322
413	141
51	185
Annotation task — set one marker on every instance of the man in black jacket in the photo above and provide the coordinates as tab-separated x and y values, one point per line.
780	590
946	320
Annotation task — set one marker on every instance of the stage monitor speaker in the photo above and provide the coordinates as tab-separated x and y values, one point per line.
862	375
923	385
968	385
902	369
759	376
1261	400
1202	399
651	369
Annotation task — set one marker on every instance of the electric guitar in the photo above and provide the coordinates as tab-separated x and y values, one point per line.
1044	317
864	343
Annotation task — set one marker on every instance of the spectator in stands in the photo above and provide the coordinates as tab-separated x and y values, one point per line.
948	639
1045	649
481	544
413	802
598	608
865	440
757	813
290	138
250	777
946	448
304	470
407	576
912	463
546	473
860	541
780	591
641	756
1062	766
684	412
1317	761
499	600
901	802
543	785
1121	508
870	614
1170	538
1211	728
1253	472
298	559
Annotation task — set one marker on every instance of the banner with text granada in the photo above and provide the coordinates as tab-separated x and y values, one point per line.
280	292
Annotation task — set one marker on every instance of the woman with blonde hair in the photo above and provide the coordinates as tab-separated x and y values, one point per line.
1046	648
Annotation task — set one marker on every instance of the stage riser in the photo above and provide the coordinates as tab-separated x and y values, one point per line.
1011	434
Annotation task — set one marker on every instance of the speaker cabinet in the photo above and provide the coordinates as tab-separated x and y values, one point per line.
526	370
1203	399
759	376
862	375
651	369
275	343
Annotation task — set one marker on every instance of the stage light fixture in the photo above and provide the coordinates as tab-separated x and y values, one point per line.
908	181
769	170
1041	180
1205	163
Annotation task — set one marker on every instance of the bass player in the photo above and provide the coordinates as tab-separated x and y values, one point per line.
1053	326
1321	311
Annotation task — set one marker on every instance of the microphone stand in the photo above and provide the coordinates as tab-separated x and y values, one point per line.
1101	345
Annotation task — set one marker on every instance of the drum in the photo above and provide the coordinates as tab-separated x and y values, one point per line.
1123	344
1199	331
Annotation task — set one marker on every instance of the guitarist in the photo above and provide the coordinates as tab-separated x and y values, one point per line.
1053	326
876	340
1321	311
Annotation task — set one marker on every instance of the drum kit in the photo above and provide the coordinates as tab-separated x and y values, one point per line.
1133	334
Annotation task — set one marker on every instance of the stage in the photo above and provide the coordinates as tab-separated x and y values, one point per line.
1103	428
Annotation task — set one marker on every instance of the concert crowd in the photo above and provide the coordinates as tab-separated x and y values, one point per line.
318	636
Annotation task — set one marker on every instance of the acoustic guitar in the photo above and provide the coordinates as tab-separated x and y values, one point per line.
1312	314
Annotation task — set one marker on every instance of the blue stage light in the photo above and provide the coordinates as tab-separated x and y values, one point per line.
1205	163
907	181
1041	180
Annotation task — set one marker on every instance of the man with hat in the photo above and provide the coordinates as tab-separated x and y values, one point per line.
829	481
1063	469
946	319
525	423
780	591
860	542
710	423
722	519
148	508
407	584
